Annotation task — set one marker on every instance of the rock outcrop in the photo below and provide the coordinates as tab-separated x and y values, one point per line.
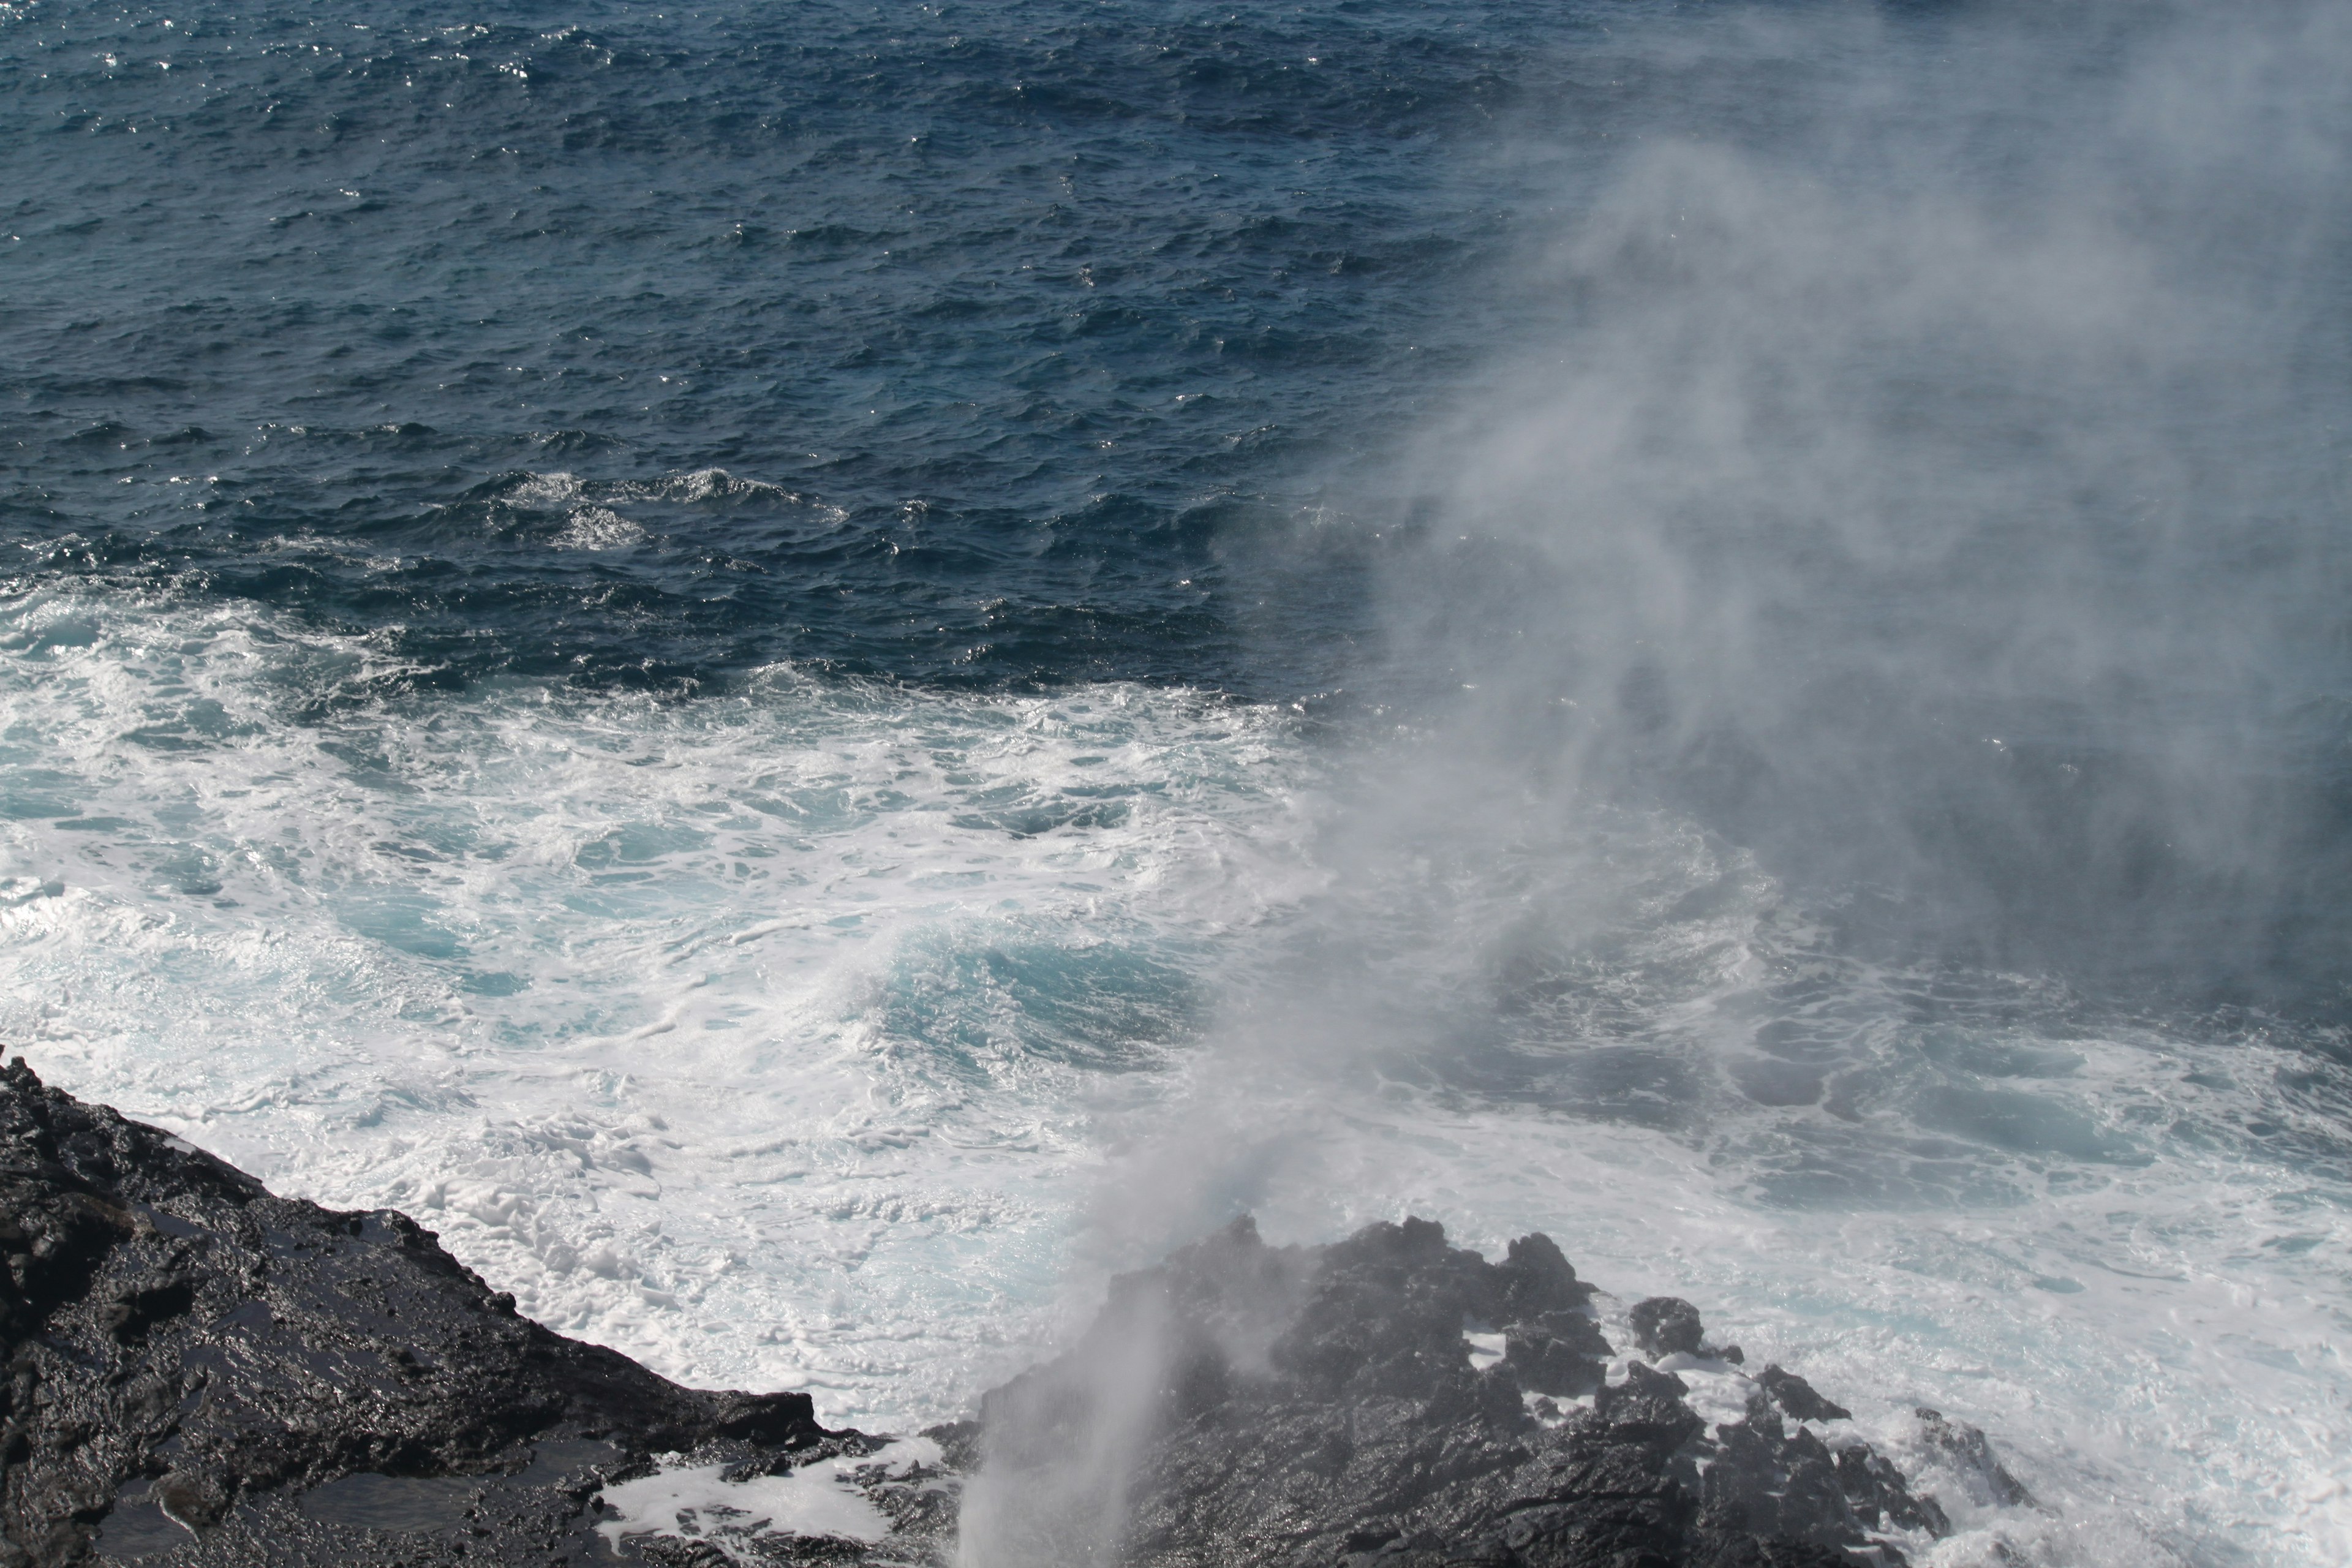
198	1373
1392	1400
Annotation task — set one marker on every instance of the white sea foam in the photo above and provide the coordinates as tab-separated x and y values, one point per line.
2188	1404
758	1036
840	1036
698	1502
2116	1244
598	528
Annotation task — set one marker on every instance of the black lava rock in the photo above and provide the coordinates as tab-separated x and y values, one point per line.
1794	1395
1666	1325
199	1373
1970	1453
1254	1405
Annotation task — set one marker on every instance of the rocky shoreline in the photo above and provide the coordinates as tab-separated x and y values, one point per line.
199	1373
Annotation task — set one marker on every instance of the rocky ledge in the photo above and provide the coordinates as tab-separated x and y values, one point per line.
199	1373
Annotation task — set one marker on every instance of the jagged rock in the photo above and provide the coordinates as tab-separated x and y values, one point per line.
1796	1396
1666	1325
1971	1452
1247	1406
1880	1498
199	1373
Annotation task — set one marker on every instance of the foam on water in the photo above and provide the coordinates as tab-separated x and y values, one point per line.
698	1503
2158	1353
1907	442
758	1036
2114	1238
843	1036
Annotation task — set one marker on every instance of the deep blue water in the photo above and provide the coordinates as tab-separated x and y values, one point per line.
1013	346
1021	325
803	666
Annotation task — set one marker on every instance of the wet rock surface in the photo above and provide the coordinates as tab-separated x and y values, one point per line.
198	1373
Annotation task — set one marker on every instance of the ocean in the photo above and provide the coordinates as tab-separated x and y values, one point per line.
812	673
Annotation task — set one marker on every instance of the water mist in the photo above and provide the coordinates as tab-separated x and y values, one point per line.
1859	769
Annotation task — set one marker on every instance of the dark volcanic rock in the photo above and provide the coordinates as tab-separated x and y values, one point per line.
1796	1396
1666	1325
198	1373
1967	1448
1284	1405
